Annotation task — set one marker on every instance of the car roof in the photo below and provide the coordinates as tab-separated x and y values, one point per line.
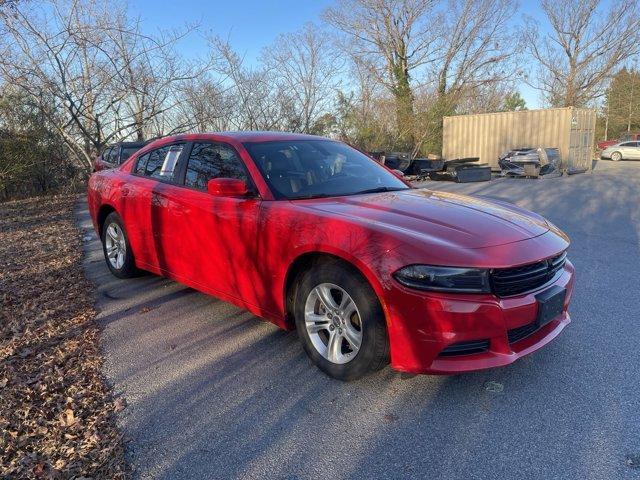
231	137
242	137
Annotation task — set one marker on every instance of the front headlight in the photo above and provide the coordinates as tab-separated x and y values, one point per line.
444	279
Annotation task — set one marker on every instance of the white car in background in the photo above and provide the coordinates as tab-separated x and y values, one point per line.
622	151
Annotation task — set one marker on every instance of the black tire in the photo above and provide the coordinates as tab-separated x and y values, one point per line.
616	156
373	353
128	268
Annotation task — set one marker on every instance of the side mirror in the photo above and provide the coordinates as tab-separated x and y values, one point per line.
398	173
227	187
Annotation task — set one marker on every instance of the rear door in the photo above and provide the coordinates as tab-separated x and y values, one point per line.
148	209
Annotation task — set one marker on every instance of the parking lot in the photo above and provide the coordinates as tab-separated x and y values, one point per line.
213	392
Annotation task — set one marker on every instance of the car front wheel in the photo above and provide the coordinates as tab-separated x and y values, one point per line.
616	156
116	247
340	321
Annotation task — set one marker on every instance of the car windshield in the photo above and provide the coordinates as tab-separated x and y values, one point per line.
298	169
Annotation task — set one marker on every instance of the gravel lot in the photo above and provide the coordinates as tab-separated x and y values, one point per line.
212	392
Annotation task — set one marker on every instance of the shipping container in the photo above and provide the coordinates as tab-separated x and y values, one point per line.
489	135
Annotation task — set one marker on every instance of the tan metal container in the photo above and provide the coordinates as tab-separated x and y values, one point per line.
489	135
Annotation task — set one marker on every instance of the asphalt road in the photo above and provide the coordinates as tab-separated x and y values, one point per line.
213	392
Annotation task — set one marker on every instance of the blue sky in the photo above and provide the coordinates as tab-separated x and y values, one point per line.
253	24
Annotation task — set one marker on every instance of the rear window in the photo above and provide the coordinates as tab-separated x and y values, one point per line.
127	152
107	155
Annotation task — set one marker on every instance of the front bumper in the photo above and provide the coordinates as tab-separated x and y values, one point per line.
423	324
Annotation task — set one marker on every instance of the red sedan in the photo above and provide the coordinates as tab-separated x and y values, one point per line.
311	234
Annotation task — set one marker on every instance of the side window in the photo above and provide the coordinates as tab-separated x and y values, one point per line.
141	164
106	154
127	152
115	154
159	163
170	160
628	144
210	160
155	161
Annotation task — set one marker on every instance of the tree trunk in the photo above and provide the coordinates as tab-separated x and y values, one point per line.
404	107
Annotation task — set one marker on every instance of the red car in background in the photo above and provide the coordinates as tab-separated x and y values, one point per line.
116	154
311	234
629	137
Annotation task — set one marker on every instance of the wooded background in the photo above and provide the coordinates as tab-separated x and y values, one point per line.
76	75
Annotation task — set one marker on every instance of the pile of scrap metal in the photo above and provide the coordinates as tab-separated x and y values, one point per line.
464	170
529	162
435	168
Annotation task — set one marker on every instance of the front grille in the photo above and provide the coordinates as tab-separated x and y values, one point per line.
520	333
513	281
465	348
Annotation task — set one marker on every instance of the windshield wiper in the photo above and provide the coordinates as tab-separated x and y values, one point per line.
379	190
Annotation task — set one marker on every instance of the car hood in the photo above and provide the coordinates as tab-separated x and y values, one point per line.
438	217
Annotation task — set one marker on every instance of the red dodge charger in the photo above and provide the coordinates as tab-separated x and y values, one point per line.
311	234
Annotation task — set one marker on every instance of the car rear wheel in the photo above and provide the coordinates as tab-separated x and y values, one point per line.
616	156
340	321
116	247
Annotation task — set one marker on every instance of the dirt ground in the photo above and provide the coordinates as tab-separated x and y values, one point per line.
56	411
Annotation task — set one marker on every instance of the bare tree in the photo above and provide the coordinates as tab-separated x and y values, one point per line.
260	103
473	62
304	64
92	70
208	105
584	47
451	51
476	43
153	75
392	39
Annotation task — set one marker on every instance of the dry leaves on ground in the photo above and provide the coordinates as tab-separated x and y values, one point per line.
56	412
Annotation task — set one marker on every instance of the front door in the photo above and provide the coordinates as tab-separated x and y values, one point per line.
634	152
217	237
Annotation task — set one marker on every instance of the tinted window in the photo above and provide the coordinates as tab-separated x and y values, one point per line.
170	160
127	152
211	160
159	163
107	155
141	164
155	161
316	168
628	144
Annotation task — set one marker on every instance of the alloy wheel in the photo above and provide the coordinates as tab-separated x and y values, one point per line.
116	246
333	323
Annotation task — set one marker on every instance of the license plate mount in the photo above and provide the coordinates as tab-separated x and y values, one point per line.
550	304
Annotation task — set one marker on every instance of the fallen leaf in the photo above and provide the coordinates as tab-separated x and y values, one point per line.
38	470
119	404
67	419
